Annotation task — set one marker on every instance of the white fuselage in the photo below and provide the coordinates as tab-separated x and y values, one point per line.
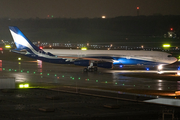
153	56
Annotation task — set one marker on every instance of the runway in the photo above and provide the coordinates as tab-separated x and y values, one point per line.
37	72
142	71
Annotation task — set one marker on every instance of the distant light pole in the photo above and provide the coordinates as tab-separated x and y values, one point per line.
137	11
103	17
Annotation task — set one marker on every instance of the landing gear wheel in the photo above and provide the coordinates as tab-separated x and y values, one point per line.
85	70
91	69
95	69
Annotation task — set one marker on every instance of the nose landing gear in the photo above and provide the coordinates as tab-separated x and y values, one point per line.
92	67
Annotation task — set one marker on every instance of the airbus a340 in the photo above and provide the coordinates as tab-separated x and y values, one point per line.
90	58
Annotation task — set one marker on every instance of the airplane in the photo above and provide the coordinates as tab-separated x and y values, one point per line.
92	59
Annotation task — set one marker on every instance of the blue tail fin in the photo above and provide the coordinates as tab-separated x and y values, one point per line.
21	41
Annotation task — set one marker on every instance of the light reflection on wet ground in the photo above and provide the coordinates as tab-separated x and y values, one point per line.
38	72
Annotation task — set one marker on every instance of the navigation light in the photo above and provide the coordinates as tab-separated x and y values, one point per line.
41	47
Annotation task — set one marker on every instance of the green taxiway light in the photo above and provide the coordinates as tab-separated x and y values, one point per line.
116	83
15	70
9	69
105	81
34	72
166	45
55	75
96	80
27	71
48	74
62	75
21	70
79	78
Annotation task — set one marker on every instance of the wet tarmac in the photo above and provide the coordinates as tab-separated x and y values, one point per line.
40	72
104	94
43	104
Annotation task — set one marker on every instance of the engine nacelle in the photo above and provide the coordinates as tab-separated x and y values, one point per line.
82	62
105	65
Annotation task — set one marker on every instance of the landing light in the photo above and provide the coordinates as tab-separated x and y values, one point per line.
19	58
178	73
160	67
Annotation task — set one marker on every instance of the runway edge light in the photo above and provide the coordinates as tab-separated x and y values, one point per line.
23	85
83	48
7	46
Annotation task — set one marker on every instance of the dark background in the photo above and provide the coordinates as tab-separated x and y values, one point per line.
126	29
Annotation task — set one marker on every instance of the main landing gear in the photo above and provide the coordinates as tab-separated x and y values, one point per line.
92	67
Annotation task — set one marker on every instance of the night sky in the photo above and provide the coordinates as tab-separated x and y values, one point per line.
86	8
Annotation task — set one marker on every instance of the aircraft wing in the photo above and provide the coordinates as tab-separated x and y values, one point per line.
86	58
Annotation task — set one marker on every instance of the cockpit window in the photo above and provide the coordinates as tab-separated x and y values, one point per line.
169	56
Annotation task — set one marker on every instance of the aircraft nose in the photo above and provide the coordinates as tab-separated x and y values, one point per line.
174	59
